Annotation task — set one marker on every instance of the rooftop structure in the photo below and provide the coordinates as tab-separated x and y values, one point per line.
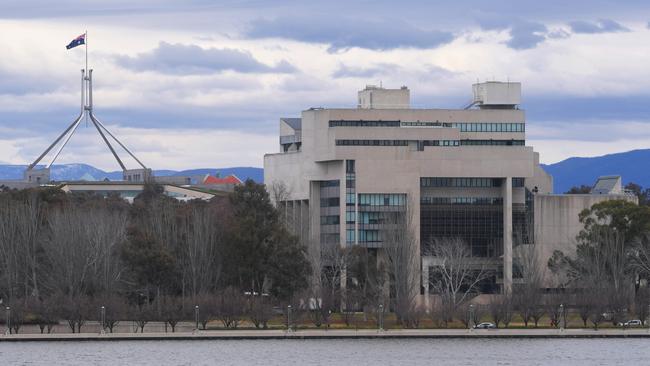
609	184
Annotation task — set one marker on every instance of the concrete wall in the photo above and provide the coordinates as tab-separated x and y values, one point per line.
557	223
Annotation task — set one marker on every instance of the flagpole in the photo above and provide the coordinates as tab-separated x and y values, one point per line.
86	43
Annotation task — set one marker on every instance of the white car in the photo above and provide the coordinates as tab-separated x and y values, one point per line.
485	325
631	323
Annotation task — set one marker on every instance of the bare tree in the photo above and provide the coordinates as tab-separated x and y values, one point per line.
527	297
456	274
230	307
641	304
260	310
201	240
172	311
501	309
80	250
403	265
141	314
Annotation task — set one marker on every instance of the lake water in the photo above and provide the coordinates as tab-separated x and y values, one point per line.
555	352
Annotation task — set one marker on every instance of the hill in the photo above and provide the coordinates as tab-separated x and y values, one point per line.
88	172
633	166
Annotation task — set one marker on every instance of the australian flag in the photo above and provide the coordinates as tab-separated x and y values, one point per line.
77	41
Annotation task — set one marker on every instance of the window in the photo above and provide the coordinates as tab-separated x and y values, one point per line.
350	236
518	182
329	220
382	199
349	166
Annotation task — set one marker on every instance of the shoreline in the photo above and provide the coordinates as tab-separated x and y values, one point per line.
335	334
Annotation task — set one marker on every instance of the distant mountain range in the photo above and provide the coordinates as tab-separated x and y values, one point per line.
65	172
633	166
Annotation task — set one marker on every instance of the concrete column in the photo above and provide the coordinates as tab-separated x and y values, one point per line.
507	235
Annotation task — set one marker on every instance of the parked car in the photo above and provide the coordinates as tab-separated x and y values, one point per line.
631	323
485	325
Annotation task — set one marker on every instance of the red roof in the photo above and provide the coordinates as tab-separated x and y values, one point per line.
231	179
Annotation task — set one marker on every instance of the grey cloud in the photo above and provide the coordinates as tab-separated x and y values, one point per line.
191	59
346	33
525	35
345	71
601	26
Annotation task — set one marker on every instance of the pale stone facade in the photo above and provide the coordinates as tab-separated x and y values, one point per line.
459	172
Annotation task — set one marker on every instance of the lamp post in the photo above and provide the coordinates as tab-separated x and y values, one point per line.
471	317
381	317
196	318
562	318
8	323
288	318
102	317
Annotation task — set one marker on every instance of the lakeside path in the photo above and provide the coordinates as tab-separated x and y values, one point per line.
336	334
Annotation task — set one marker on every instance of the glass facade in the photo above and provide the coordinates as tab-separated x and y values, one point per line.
350	201
376	213
330	202
479	223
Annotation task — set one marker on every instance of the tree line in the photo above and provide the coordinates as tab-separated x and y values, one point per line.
64	255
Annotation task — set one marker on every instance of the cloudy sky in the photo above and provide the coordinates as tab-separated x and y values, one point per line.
199	83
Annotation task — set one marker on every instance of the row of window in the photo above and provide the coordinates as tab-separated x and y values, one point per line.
370	218
493	142
463	126
490	127
426	124
380	199
369	236
461	200
372	142
329	220
431	142
396	142
460	182
346	123
468	182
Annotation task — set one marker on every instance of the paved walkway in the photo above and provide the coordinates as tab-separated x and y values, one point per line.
338	334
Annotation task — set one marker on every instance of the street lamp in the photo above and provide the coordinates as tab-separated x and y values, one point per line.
288	318
381	317
8	323
102	317
471	316
196	318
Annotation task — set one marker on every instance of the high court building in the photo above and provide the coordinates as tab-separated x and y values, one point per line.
458	173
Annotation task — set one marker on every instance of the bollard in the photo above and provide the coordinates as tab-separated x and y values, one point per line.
381	317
